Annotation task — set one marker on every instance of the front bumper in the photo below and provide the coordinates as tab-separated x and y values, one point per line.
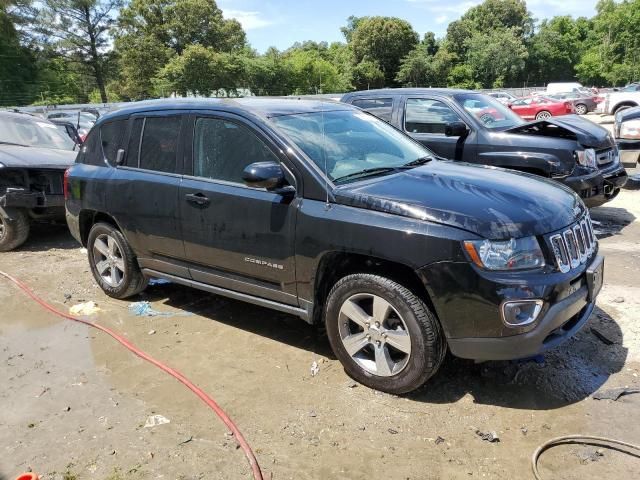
597	187
467	301
629	152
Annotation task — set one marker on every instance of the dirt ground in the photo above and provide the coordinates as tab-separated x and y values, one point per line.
74	403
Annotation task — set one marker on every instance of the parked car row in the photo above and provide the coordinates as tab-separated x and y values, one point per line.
382	216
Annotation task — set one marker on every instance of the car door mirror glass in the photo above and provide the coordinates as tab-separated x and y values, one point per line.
455	129
267	175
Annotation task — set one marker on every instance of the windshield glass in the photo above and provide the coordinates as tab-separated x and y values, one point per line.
32	132
492	114
351	142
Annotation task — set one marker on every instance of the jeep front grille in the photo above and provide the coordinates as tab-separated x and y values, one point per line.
574	246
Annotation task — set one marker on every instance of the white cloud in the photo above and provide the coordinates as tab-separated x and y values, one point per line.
250	20
441	19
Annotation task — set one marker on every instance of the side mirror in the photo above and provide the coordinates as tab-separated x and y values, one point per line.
267	175
455	129
120	157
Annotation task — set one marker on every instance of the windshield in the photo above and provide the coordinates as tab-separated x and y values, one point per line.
31	132
350	143
492	114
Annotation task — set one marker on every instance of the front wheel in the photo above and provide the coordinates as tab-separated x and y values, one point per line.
543	115
113	262
14	229
383	334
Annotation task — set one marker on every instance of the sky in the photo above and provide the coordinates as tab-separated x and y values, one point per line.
280	23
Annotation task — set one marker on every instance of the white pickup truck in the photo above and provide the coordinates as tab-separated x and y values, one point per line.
615	101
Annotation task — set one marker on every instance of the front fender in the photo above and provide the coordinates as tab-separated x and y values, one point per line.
545	164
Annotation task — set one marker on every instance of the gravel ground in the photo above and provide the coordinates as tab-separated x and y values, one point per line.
75	403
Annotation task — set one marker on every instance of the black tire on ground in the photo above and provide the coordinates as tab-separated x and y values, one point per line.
14	230
133	281
428	344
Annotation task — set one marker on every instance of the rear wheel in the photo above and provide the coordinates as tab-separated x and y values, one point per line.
383	334
542	115
581	109
113	263
14	230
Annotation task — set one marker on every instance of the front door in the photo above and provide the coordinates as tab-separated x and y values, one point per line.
425	120
235	236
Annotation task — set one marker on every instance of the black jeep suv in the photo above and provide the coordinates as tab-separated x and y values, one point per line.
473	127
323	211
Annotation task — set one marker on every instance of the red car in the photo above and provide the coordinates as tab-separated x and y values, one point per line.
540	107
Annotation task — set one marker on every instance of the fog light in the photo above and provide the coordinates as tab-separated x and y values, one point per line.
521	312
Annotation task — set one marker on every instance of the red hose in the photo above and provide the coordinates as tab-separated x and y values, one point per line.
257	473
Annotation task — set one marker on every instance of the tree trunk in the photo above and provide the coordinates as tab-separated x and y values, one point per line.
95	58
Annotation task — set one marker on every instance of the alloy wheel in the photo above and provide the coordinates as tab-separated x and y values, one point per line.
543	116
374	334
108	260
581	109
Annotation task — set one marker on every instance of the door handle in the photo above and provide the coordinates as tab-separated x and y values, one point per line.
198	198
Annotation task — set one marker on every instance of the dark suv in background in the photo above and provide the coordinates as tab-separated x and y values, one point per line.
473	127
322	211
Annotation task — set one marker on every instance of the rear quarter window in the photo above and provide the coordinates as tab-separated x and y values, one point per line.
380	107
90	151
112	137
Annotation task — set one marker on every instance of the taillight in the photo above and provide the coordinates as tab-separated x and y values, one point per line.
598	99
65	183
569	106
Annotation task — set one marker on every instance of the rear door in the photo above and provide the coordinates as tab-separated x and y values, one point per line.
143	193
235	236
425	119
524	107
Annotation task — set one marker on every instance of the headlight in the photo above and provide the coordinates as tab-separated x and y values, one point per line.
586	157
514	254
630	130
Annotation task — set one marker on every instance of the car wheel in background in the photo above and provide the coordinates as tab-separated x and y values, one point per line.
581	109
14	230
383	334
113	263
542	115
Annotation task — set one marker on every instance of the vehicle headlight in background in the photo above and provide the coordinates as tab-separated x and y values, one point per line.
630	130
514	254
586	157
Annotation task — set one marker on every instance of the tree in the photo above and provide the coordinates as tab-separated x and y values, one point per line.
152	32
311	74
384	40
80	31
269	74
17	64
496	58
416	69
367	74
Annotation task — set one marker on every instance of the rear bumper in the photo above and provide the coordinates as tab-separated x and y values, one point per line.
21	198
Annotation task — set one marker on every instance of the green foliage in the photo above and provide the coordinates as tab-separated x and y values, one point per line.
367	74
384	40
17	64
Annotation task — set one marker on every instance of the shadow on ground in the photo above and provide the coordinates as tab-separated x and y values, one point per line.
566	375
609	221
47	237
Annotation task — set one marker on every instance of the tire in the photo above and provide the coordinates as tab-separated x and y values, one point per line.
113	263
14	231
543	115
408	321
581	109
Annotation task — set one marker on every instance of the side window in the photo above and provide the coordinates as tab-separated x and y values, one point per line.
133	149
425	115
112	138
223	149
380	107
159	147
90	151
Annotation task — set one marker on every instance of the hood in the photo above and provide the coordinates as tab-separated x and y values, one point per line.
492	203
587	133
13	156
628	114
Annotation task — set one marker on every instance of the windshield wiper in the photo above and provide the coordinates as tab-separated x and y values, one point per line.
12	143
418	161
364	173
